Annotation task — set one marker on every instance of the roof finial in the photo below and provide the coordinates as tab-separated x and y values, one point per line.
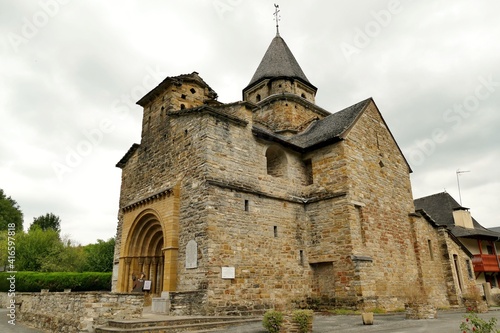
277	18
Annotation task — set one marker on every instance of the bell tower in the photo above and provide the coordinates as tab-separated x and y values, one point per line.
278	72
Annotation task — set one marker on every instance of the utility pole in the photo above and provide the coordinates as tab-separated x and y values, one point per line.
459	172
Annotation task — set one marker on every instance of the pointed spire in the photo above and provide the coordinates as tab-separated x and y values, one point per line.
278	61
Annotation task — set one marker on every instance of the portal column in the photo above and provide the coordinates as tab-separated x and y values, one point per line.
126	278
170	270
154	274
147	268
171	243
160	275
141	265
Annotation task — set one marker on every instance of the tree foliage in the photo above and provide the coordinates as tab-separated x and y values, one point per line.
99	256
44	251
10	213
47	221
35	248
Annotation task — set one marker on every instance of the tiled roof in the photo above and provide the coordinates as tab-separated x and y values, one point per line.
278	61
440	207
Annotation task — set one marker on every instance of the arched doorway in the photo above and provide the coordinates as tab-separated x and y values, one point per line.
144	250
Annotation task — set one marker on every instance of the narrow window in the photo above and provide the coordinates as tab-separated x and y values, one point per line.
359	218
301	258
469	269
308	170
429	244
183	106
192	90
457	269
246	205
258	98
275	230
183	96
303	95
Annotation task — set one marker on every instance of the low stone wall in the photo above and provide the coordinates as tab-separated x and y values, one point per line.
4	300
188	303
420	311
76	312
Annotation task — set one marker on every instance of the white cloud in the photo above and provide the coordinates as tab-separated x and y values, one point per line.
90	59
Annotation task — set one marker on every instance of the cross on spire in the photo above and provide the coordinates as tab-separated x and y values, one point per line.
277	18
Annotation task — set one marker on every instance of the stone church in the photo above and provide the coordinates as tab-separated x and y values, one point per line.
273	201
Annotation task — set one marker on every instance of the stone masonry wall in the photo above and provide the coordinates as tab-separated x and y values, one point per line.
348	235
266	244
459	281
379	185
432	253
76	312
280	115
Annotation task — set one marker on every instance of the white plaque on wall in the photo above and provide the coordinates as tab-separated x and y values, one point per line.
228	273
192	254
147	285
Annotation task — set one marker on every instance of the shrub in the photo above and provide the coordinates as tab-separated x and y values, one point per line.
272	321
57	281
303	318
475	324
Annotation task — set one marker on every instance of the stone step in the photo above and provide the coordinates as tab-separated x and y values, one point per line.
173	325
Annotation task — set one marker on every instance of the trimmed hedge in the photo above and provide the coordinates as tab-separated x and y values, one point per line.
57	281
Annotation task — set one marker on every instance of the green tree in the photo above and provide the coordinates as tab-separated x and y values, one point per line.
10	213
99	256
47	221
64	257
36	247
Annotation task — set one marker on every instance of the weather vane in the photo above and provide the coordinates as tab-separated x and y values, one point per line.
277	18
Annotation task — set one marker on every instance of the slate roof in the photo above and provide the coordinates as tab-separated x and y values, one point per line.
321	132
496	229
330	128
440	207
123	161
278	61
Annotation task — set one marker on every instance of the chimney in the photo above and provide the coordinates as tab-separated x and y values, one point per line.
462	218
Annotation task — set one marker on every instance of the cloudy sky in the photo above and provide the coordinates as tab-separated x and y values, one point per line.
71	72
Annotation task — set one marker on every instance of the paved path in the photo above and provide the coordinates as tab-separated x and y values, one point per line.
447	322
5	327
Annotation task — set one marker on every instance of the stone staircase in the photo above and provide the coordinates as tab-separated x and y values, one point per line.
174	324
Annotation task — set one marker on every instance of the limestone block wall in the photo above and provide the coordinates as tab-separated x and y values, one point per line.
285	114
267	246
432	254
177	159
76	312
379	183
330	173
267	88
234	156
456	270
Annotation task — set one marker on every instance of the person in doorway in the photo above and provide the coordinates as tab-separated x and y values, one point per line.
138	283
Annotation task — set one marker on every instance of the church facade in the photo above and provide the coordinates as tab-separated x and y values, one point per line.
273	202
